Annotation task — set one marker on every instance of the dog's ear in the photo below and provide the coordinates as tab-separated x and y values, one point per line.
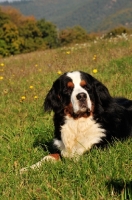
99	91
52	100
103	96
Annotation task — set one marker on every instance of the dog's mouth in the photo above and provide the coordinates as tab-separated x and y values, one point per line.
83	107
83	112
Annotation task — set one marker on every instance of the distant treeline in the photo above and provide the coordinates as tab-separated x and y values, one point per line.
21	34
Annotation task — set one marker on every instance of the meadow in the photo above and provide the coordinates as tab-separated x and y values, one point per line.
25	129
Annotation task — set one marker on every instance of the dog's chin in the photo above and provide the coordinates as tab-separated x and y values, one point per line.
82	112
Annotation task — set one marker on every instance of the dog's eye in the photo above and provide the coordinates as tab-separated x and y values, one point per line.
68	90
86	87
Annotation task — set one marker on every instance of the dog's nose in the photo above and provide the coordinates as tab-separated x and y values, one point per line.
81	96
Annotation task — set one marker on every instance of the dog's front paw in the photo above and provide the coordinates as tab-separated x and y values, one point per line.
49	158
52	157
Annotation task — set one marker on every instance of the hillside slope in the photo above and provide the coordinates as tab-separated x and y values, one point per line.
92	15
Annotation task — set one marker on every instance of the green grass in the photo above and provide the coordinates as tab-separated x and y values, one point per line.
25	129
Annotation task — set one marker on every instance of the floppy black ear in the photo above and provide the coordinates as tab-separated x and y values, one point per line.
102	94
52	100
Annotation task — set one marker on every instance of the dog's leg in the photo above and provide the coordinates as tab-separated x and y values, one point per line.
48	158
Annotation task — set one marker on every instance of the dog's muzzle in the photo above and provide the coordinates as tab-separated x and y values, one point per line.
81	96
82	100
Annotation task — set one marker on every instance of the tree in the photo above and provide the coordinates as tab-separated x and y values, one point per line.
15	16
4	18
118	31
49	33
73	35
30	34
10	37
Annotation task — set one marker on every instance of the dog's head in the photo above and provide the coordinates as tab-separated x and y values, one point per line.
78	94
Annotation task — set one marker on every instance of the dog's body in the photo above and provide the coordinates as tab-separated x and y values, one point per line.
85	114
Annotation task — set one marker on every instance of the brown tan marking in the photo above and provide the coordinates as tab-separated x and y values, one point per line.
83	83
68	110
70	84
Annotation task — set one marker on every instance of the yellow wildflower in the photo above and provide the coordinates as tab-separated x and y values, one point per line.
2	64
68	52
23	98
59	72
95	71
35	97
31	87
1	77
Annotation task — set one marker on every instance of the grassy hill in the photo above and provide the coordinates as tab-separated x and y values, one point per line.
25	128
92	15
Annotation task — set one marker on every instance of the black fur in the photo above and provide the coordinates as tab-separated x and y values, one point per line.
113	114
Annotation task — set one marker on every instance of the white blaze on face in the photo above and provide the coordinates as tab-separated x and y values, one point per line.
76	79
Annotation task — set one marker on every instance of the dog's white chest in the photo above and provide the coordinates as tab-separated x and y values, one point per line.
78	135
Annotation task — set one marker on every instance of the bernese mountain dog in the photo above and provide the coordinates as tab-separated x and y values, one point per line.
85	114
